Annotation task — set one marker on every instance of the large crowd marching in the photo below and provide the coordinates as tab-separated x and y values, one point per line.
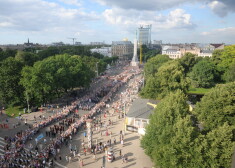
17	157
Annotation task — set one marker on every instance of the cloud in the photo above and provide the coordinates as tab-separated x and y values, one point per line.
5	24
219	7
150	5
176	19
72	2
217	35
39	15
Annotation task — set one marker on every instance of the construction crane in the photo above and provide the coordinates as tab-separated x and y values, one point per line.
72	39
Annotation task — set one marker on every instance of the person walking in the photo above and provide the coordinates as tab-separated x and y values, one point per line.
74	153
123	159
94	156
81	163
122	143
84	150
114	141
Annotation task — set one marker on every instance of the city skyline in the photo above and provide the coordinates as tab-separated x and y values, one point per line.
178	21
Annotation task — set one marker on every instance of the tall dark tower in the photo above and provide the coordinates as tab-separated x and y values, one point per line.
28	40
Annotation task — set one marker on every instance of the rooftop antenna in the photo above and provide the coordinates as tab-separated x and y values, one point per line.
72	39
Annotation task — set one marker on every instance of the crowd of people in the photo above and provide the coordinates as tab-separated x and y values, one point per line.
15	145
102	127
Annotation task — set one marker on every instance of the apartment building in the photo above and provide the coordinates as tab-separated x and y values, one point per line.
123	49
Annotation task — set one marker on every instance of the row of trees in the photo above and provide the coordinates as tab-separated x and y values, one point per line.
174	138
164	75
40	77
31	55
54	76
204	137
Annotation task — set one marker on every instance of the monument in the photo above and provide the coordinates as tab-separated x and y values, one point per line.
134	61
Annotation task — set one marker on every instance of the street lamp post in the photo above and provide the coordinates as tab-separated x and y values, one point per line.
97	70
27	99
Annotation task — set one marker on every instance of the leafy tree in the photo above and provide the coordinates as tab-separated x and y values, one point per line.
169	78
227	57
7	53
110	60
170	133
188	61
173	139
27	58
150	89
97	55
216	56
229	75
10	91
150	54
153	64
92	62
217	147
223	60
217	107
203	74
50	51
54	76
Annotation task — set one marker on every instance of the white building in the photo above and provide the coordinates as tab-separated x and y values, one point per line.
106	51
205	53
201	50
172	51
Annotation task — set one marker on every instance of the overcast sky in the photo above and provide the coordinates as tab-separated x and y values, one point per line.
174	21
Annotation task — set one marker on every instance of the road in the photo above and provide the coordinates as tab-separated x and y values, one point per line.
77	139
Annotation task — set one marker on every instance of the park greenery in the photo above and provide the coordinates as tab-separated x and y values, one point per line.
35	78
204	137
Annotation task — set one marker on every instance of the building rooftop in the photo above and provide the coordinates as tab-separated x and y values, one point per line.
172	50
121	42
216	45
141	109
206	51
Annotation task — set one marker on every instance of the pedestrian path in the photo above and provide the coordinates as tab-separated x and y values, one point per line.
2	144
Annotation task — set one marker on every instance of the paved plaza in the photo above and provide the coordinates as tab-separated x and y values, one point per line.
131	148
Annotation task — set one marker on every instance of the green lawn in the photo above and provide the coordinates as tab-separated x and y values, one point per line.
198	91
14	111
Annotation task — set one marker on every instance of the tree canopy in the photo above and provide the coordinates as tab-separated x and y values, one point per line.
217	106
223	60
55	75
188	61
170	133
10	90
203	74
153	64
48	73
229	75
173	138
169	78
27	58
7	53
